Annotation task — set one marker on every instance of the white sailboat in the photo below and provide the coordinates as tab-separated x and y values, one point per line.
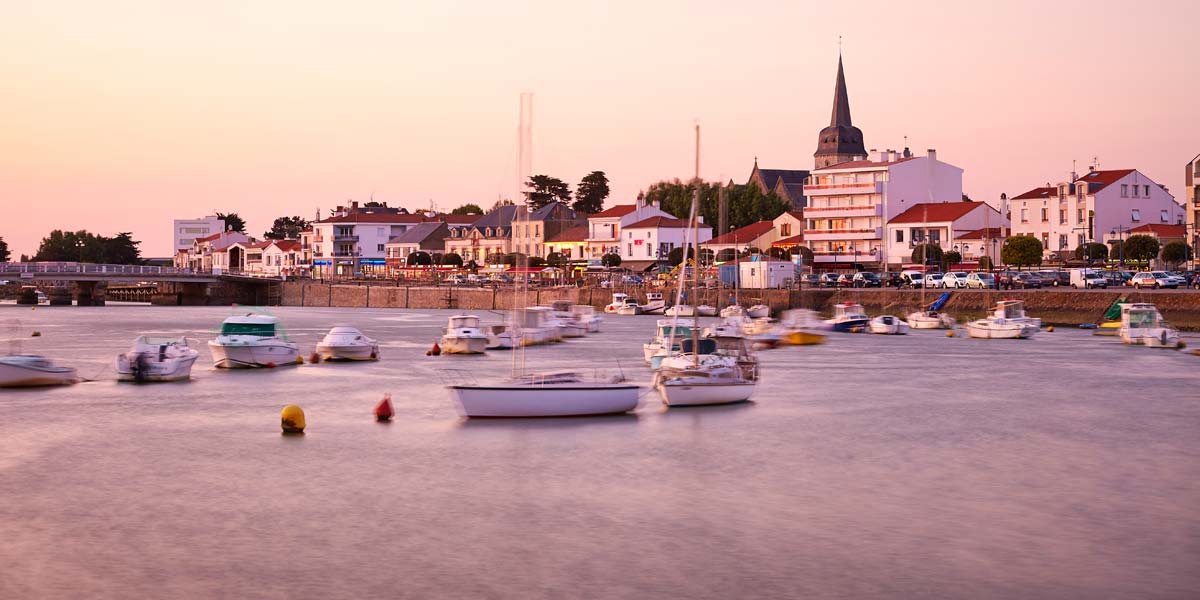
667	333
157	359
347	343
586	316
759	311
251	341
28	370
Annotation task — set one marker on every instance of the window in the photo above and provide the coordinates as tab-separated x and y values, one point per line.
1136	216
1024	215
1062	241
1080	237
1062	216
630	250
1045	214
935	236
1147	194
1079	216
1045	240
379	248
1164	217
899	235
1135	191
785	230
1124	190
648	252
379	232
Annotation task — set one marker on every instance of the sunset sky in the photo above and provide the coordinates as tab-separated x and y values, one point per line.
123	115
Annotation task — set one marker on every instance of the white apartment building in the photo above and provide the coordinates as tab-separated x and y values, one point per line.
1191	179
189	230
1067	215
947	225
850	203
604	227
354	242
647	241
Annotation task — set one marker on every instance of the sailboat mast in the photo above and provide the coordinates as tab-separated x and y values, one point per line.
696	250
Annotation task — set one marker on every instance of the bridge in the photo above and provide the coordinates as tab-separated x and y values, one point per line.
172	285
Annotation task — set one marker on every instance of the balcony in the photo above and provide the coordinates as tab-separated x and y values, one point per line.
817	212
842	189
337	237
833	235
844	257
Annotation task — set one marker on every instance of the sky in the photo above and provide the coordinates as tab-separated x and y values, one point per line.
126	114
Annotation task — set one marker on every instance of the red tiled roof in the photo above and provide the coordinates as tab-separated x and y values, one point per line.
935	212
619	210
1038	193
457	219
1161	230
799	214
795	240
979	234
287	245
208	238
658	222
257	245
862	164
1098	180
574	234
744	235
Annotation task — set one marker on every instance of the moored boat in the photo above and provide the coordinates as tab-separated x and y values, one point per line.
888	325
1143	325
464	336
733	310
705	310
759	311
157	359
28	370
680	310
1008	321
347	343
849	317
654	305
549	395
618	300
251	341
586	316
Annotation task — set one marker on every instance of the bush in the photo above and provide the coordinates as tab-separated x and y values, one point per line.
1141	247
924	254
727	255
1175	253
675	256
419	259
1021	251
1091	251
985	263
611	260
951	258
451	260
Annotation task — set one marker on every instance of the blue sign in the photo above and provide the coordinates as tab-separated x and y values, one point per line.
318	263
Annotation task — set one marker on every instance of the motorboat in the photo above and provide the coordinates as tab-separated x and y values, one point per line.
157	359
849	317
347	343
759	311
562	394
631	307
586	316
463	335
501	337
733	310
759	326
536	326
705	310
888	325
561	313
251	341
800	327
654	305
732	326
1143	325
931	318
618	300
28	370
680	310
1008	321
667	335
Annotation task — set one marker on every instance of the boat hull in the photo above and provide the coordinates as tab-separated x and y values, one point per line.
801	338
532	400
920	320
1016	332
13	376
174	369
758	311
253	356
464	345
684	393
1153	338
850	326
348	351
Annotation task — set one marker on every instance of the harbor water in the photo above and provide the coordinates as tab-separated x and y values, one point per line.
918	466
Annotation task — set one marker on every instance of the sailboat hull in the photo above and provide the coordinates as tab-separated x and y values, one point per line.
682	393
551	400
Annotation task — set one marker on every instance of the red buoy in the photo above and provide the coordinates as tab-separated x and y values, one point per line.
435	350
314	358
383	411
270	365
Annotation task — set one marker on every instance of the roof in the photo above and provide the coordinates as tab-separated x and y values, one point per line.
419	233
1161	230
454	219
795	240
619	210
1098	180
935	212
979	234
547	211
864	164
658	222
573	234
208	238
745	234
374	217
1037	194
789	176
287	245
501	216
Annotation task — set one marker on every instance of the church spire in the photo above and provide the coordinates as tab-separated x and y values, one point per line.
841	141
841	100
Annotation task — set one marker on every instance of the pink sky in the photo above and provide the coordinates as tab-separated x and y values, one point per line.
123	115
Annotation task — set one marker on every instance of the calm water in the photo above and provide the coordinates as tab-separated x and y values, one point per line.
1066	466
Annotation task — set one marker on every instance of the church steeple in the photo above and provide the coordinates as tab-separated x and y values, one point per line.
841	141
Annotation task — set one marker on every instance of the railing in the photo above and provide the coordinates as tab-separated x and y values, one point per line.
90	268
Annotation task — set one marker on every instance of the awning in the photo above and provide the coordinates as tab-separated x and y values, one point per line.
640	266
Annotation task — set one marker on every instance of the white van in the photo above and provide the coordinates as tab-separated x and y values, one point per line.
1087	279
912	279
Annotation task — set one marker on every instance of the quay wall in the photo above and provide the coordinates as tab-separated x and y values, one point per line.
1065	307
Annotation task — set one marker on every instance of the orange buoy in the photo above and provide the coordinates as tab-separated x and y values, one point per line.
436	350
314	358
383	410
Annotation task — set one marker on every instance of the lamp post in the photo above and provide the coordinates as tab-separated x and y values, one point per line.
1119	231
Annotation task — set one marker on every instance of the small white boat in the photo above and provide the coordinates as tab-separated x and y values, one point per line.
28	370
849	317
657	347
654	305
733	310
680	310
705	310
549	395
586	316
1143	325
464	336
562	314
888	325
733	326
537	326
251	341
347	343
930	319
759	311
501	337
1007	322
618	301
706	377
631	307
157	359
759	326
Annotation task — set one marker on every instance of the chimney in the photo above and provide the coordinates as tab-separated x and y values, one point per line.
892	155
354	204
931	153
1091	168
883	156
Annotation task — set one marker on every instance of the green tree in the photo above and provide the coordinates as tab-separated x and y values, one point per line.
707	256
121	249
776	252
419	259
286	228
544	189
514	259
675	256
747	203
1091	251
4	255
451	260
805	253
1175	253
1141	247
82	246
467	209
951	257
591	192
727	255
1021	251
536	261
985	263
927	254
232	222
611	259
556	259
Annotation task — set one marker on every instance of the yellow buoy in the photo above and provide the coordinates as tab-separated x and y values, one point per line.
950	333
1050	329
292	419
36	334
299	360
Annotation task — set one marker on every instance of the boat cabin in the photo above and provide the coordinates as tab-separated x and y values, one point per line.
463	322
1010	309
256	325
1140	316
849	310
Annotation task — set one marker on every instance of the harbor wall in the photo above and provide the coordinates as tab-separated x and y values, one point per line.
1065	307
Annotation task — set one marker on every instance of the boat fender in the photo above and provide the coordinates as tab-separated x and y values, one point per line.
436	350
374	355
291	419
1181	345
299	360
383	410
1164	337
314	358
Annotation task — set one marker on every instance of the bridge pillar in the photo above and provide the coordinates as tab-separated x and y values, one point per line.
90	293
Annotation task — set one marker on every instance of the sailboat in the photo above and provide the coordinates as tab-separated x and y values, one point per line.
555	394
930	318
699	374
30	370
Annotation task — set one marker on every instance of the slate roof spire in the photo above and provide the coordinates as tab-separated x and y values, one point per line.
841	141
841	100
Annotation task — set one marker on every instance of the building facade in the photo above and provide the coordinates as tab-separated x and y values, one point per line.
189	230
651	240
487	239
947	225
531	229
1192	203
604	227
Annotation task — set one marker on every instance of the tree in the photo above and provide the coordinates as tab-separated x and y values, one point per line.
419	259
1021	251
950	258
1141	247
3	250
1091	251
514	259
776	252
232	222
556	259
985	263
451	260
727	255
926	254
675	256
611	260
536	261
544	189
121	249
286	228
747	203
82	246
1175	253
707	256
805	253
591	192
467	209
494	258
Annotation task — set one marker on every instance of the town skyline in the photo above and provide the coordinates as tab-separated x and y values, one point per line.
119	139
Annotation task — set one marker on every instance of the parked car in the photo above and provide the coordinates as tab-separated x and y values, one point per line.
1115	278
954	279
1052	278
810	280
865	279
631	279
845	280
1153	279
457	280
1020	280
931	280
829	279
1087	279
892	279
981	281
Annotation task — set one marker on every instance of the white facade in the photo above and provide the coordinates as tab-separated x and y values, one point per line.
356	243
943	225
849	203
190	230
1114	201
604	228
766	273
654	238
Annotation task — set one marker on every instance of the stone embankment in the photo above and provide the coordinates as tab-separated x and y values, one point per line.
1067	307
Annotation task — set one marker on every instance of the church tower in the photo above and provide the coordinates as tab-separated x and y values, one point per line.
841	141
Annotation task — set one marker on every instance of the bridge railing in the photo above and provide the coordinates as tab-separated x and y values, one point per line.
66	268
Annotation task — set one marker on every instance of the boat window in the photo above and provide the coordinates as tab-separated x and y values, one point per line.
264	329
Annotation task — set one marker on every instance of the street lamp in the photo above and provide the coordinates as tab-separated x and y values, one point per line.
1120	233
